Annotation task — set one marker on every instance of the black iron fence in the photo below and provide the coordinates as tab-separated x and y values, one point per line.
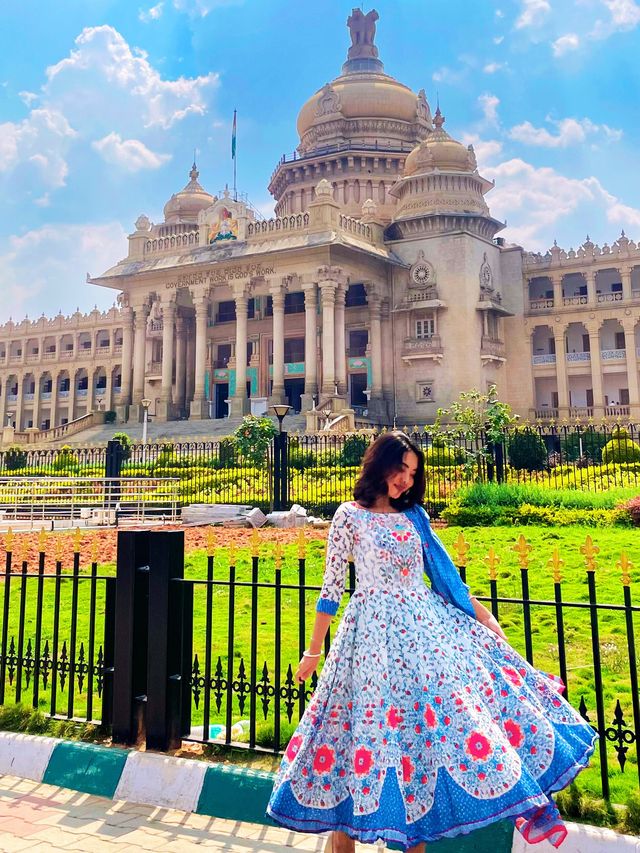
319	471
211	657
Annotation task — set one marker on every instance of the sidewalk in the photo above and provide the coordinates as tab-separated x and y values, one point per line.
38	817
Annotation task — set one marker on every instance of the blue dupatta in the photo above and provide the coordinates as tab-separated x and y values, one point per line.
438	565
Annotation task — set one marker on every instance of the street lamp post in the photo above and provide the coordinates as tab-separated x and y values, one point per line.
145	403
280	473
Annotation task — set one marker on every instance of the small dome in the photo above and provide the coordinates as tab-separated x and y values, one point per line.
185	205
440	152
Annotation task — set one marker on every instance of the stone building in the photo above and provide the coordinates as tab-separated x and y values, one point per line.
380	290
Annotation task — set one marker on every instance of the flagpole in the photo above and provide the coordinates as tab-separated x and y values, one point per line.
233	154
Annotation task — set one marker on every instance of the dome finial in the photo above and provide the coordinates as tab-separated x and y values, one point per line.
194	173
438	119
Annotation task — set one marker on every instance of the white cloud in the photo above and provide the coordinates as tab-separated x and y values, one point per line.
565	44
202	8
130	87
131	154
39	141
492	67
487	150
152	14
570	131
624	15
499	13
44	269
533	13
27	97
498	39
489	104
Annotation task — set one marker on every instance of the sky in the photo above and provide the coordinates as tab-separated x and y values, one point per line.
103	102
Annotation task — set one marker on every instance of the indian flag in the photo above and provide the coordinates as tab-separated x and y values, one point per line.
233	137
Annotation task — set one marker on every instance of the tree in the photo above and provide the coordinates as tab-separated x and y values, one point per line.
527	451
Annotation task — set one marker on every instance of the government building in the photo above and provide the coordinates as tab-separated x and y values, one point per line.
379	291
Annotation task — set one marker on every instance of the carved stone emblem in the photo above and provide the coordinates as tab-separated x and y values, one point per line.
422	272
329	102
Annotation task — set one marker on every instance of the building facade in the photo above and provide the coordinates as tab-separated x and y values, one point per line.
380	288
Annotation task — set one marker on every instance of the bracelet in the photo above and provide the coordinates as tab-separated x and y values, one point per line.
306	654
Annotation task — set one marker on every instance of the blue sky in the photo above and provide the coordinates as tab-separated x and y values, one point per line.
102	103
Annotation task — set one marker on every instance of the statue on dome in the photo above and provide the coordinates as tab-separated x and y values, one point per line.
363	32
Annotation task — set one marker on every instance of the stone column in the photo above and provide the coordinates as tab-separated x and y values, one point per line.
310	345
557	290
562	379
181	366
277	389
388	354
165	408
140	352
625	277
377	408
190	366
592	297
55	381
596	369
37	378
328	292
629	324
340	340
127	356
71	408
199	407
108	391
20	396
239	402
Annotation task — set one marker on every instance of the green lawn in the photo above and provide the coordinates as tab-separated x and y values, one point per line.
613	642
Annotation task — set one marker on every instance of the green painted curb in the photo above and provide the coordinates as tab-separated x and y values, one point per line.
497	838
236	793
86	767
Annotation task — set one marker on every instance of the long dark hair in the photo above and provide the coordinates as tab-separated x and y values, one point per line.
383	458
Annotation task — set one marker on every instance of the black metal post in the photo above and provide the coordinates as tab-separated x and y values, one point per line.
277	474
284	470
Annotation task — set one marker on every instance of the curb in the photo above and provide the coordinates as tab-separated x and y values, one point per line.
227	792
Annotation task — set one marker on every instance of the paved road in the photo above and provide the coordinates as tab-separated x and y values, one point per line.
38	817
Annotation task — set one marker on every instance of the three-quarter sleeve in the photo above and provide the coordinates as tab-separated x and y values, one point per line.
339	545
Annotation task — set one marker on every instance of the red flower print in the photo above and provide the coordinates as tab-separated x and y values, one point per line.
512	675
514	733
408	769
430	717
362	761
394	718
293	747
324	759
478	746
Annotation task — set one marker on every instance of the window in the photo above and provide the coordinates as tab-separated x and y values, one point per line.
293	350
47	385
586	344
623	394
425	328
616	287
268	308
64	383
104	342
619	340
294	303
86	344
101	383
251	309
358	341
356	296
223	356
83	383
226	312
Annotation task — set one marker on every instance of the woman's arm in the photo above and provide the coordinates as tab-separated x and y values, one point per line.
487	618
309	662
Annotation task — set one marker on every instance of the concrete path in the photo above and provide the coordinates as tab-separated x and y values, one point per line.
38	817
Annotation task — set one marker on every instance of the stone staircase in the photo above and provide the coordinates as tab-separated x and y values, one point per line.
176	431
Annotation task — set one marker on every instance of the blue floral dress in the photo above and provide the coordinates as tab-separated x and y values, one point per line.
424	723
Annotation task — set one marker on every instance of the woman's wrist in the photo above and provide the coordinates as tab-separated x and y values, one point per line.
309	654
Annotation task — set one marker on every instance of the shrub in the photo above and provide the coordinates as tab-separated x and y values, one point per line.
15	457
620	448
253	438
591	442
227	452
125	441
441	456
110	417
527	451
353	449
632	508
632	816
465	516
65	460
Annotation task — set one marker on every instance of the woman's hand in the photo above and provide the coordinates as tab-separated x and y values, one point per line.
306	668
492	624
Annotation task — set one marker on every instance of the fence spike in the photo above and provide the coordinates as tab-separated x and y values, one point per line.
58	548
493	561
94	548
626	567
211	542
555	564
461	547
8	540
302	544
522	548
590	551
42	541
277	554
77	541
255	542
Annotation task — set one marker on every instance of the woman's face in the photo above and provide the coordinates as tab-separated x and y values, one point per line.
401	480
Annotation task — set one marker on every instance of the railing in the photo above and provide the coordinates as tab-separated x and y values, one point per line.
617	411
615	296
581	412
546	413
58	633
66	353
492	347
295	222
245	670
574	300
354	226
612	354
578	356
191	239
96	500
417	346
546	358
390	148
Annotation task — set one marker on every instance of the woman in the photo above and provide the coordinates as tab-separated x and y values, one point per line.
425	723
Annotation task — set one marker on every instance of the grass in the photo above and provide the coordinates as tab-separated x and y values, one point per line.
613	642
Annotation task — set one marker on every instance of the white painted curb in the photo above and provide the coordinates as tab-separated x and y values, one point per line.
25	756
582	839
160	780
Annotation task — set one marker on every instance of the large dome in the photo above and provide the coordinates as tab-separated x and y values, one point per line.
184	206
